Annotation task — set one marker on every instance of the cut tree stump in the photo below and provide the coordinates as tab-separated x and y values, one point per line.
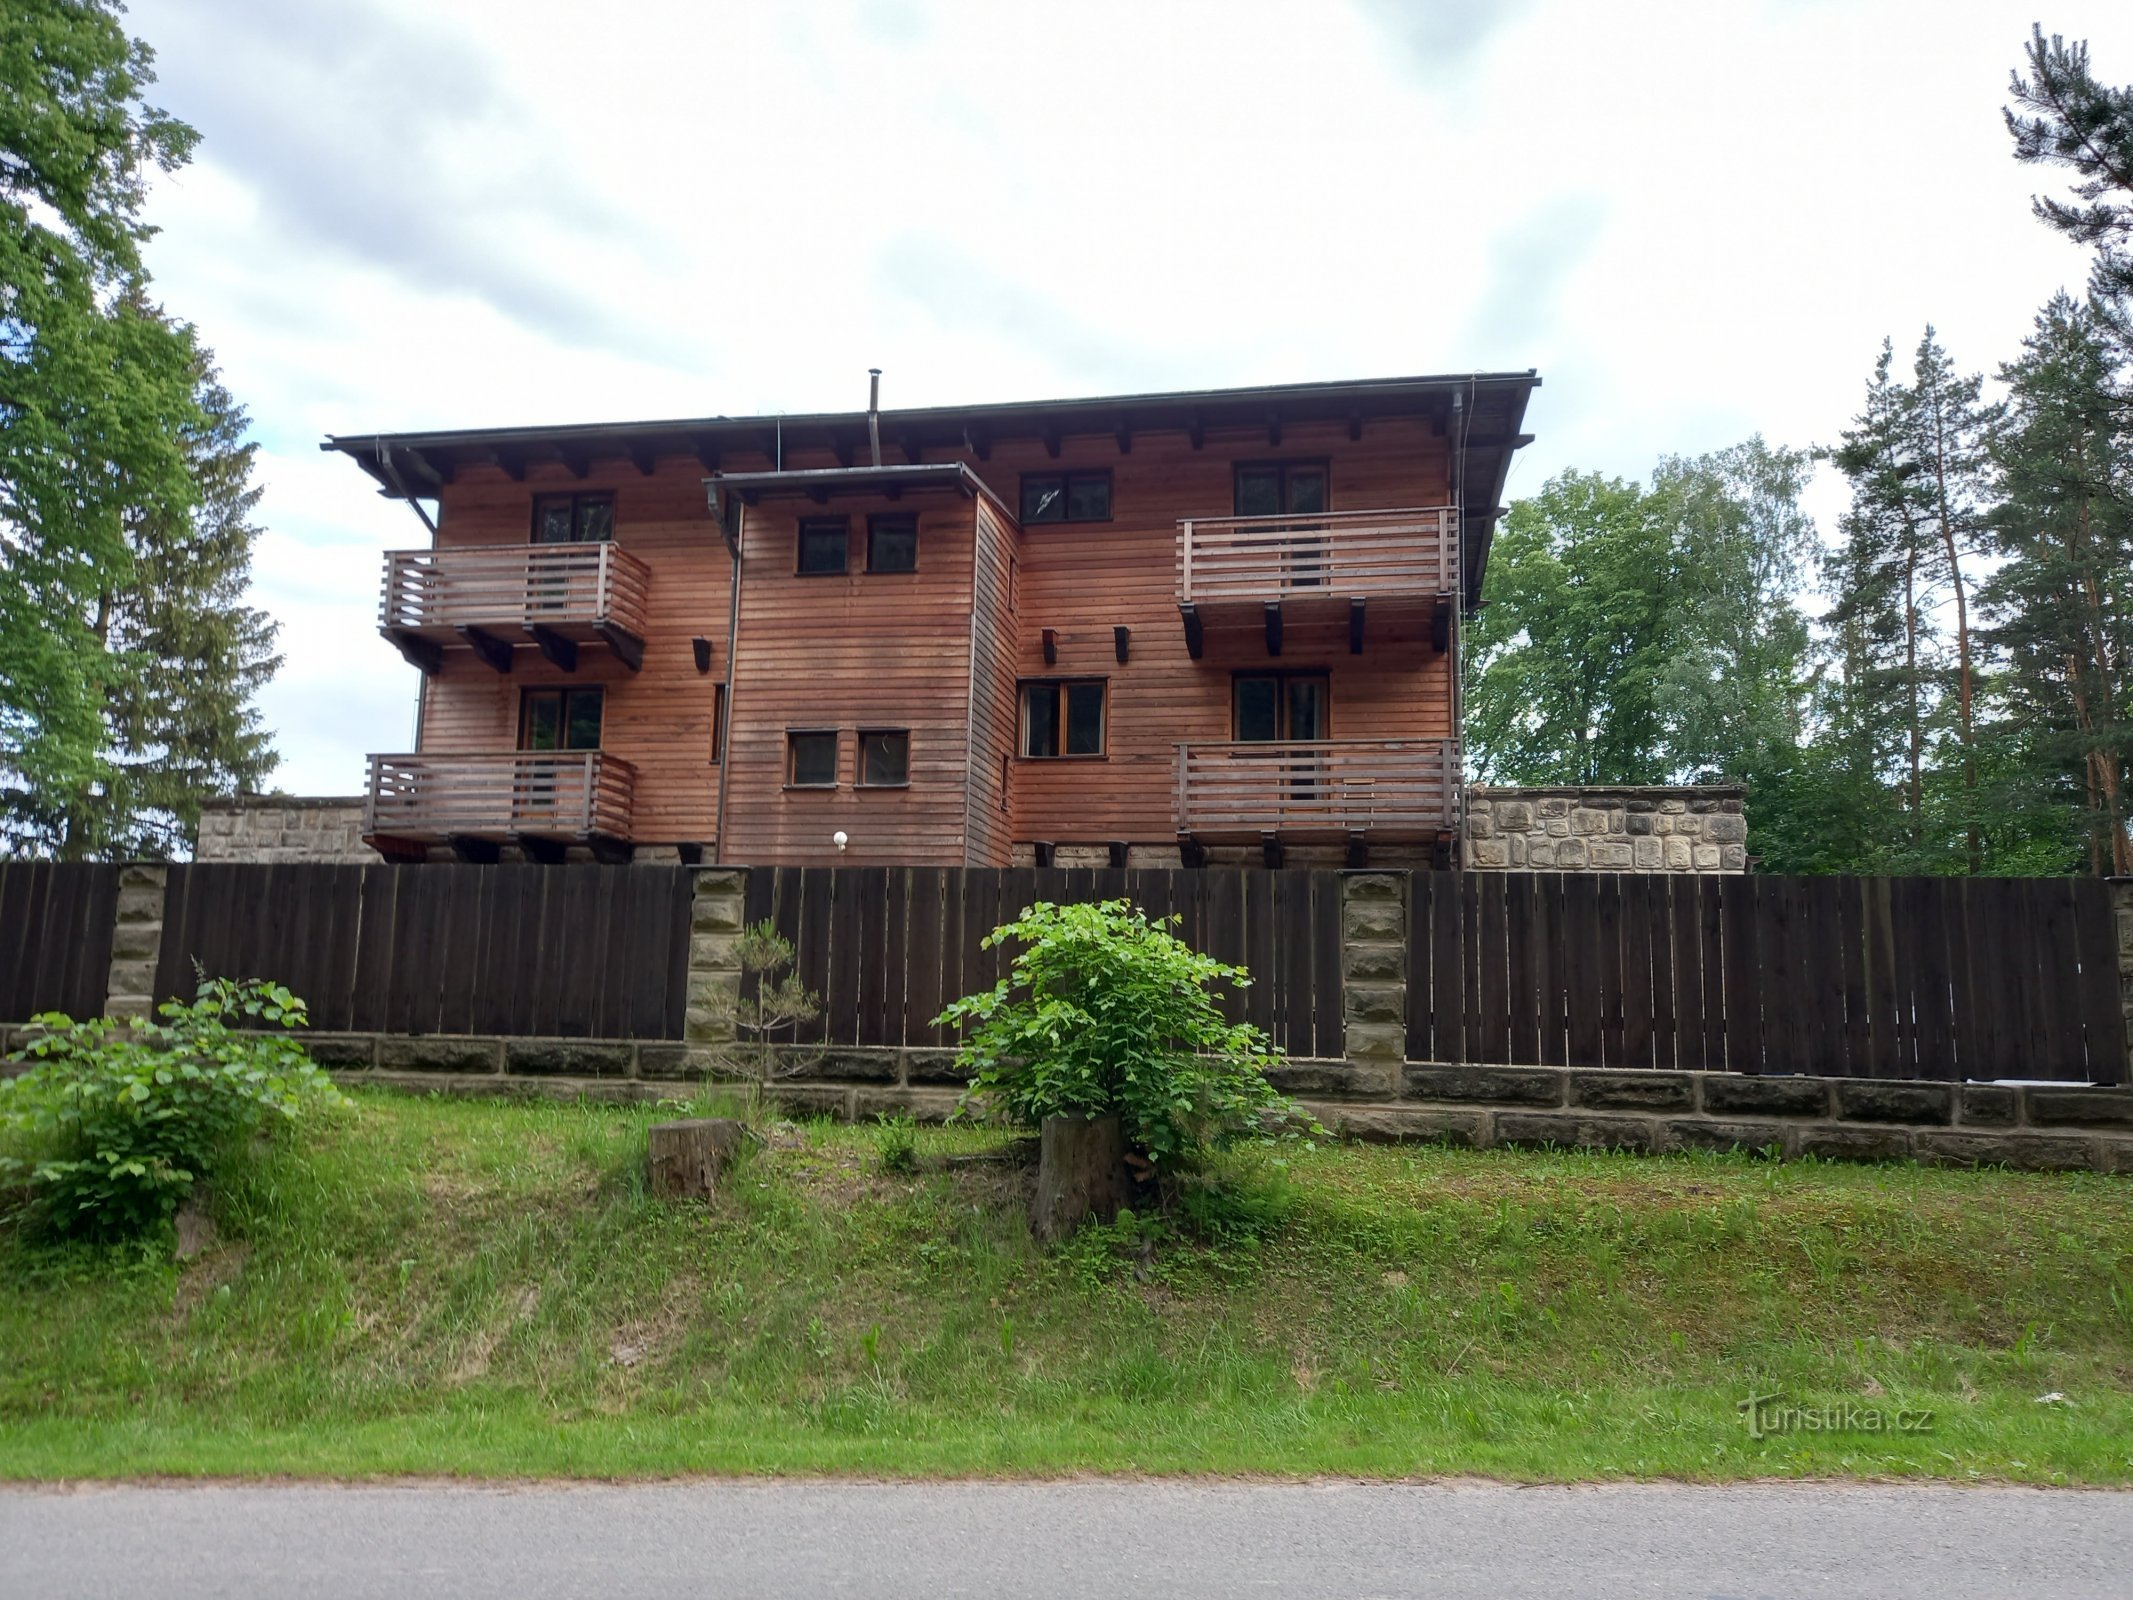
685	1158
1081	1173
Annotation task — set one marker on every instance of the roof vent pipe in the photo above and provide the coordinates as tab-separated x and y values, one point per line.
874	413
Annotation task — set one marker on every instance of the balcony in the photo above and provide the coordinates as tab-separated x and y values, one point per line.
1322	789
1324	563
542	799
490	598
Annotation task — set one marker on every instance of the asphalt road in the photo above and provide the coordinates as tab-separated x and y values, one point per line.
1084	1539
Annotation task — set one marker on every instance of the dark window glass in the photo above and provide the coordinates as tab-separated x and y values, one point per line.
1282	706
1306	709
1066	497
718	720
1258	491
884	758
892	544
573	518
1268	489
813	759
1258	708
823	543
561	719
1040	719
1306	490
1085	719
1044	499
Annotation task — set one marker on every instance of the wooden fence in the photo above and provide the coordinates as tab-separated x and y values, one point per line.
1863	977
55	937
570	951
888	947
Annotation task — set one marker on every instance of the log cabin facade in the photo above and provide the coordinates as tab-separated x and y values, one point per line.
1152	628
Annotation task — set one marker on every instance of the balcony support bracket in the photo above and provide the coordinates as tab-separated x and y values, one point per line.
1051	647
611	852
1440	624
1273	627
1195	638
1122	643
473	851
1358	849
422	654
493	651
540	849
1355	625
1270	849
628	648
1191	852
559	650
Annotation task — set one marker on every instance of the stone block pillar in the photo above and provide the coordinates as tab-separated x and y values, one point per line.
1374	966
136	940
716	915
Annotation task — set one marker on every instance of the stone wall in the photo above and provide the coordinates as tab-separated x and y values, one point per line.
1586	829
273	828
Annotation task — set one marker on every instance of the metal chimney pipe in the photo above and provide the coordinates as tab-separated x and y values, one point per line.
874	413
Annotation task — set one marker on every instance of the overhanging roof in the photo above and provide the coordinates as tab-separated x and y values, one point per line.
1484	410
825	483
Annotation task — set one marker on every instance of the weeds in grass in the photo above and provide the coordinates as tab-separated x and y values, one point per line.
896	1144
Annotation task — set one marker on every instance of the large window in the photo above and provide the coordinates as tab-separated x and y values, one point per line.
811	759
1063	718
884	758
1273	707
825	543
560	719
1066	497
1281	488
892	543
573	518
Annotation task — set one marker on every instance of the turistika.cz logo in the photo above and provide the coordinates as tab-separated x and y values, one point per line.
1766	1415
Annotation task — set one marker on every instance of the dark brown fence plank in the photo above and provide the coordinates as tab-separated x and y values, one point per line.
1608	894
925	994
2102	1016
1491	967
1885	1024
1262	1000
871	938
1524	957
1639	911
1740	959
1549	969
1819	938
1582	936
2055	973
1930	994
1785	1002
814	895
1685	971
1853	977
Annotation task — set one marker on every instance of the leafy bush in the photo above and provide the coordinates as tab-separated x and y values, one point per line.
116	1120
896	1143
1107	1013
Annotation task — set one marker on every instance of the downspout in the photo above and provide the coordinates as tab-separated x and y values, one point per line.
1464	406
733	543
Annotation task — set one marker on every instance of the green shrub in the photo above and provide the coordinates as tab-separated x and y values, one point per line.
116	1120
896	1143
1107	1013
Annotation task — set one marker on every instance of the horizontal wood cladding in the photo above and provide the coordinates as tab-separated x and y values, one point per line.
658	719
900	650
849	652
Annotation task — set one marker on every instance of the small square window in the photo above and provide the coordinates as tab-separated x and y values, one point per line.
1089	497
1066	497
892	543
885	758
824	543
811	760
1063	719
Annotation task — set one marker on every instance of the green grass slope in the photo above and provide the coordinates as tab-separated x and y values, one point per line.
470	1287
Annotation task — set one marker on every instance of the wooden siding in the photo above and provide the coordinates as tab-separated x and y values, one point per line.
993	711
852	651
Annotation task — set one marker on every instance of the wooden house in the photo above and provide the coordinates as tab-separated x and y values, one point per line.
1147	628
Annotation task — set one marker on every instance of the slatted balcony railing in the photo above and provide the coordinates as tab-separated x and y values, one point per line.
566	794
490	595
1409	553
1408	787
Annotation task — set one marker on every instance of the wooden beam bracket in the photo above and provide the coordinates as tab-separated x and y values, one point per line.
1051	647
1122	642
1440	623
1118	852
628	648
1191	852
1355	625
701	647
424	655
1273	627
541	849
475	852
610	852
1358	849
493	651
1042	849
1195	633
1270	850
560	651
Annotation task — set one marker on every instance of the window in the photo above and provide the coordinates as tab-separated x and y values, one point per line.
1066	497
1273	488
1275	706
824	543
1063	719
573	518
892	543
560	719
811	760
884	758
718	722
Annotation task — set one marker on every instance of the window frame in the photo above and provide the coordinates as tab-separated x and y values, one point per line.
562	693
800	567
1281	676
578	500
792	752
718	724
1066	498
1023	687
859	775
899	520
1322	465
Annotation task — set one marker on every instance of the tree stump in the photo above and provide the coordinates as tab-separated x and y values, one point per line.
1081	1173
685	1158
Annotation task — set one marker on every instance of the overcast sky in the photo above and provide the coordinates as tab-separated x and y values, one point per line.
1697	220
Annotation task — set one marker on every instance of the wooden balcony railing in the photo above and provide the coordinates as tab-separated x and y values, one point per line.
1342	555
1325	787
486	595
567	794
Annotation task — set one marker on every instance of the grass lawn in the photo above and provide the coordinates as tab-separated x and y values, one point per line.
475	1287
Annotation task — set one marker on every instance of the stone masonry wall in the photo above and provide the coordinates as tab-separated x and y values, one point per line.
1584	829
277	828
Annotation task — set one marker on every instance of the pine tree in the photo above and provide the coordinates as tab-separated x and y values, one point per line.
2062	598
2075	122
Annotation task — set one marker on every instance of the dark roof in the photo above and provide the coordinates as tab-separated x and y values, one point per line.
821	482
1487	408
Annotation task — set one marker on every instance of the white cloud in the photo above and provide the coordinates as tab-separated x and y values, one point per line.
1698	221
